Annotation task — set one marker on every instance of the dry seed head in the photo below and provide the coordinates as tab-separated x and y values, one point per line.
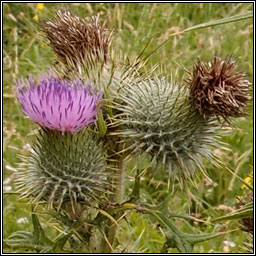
216	88
74	39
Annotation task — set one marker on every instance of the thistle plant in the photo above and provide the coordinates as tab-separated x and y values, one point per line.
79	157
65	164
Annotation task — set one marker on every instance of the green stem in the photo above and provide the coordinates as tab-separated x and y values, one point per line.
120	180
119	196
136	189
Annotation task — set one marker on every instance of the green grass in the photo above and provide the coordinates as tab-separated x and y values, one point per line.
25	51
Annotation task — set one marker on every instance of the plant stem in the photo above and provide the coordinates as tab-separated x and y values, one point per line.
120	180
111	233
136	188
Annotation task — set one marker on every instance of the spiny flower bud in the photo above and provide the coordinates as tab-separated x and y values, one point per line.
156	116
216	88
74	39
59	169
58	104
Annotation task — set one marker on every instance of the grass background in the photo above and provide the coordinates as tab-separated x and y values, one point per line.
25	51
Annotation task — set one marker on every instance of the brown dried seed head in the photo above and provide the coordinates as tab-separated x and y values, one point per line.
73	39
216	88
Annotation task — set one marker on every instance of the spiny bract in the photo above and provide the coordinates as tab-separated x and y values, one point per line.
156	116
64	168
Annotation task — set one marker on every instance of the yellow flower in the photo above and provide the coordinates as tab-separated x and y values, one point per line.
248	180
39	6
35	18
238	199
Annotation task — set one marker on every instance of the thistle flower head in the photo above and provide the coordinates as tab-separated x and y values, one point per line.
58	104
59	169
74	39
216	88
155	116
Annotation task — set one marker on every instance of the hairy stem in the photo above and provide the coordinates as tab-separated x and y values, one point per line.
111	232
136	189
120	181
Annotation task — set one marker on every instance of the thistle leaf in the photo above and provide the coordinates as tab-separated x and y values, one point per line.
36	240
182	241
39	236
241	213
20	239
60	243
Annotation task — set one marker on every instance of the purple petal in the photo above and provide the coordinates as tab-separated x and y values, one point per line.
57	104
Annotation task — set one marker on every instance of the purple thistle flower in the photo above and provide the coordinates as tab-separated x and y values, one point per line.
58	104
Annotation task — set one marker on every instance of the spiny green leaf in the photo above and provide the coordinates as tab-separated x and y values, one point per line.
19	239
236	215
39	236
182	241
25	240
60	243
47	250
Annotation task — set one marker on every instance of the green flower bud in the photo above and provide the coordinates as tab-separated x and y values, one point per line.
157	117
65	168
